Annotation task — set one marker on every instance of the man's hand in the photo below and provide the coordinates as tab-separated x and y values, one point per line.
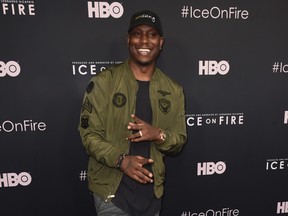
146	131
133	167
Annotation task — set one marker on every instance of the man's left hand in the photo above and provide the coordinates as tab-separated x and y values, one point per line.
146	132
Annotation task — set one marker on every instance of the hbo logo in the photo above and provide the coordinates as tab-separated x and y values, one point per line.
209	168
104	10
13	180
11	68
213	67
286	117
282	207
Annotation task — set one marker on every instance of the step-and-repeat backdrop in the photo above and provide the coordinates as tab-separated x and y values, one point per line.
231	57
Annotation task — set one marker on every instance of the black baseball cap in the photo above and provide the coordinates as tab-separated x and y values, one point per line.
146	17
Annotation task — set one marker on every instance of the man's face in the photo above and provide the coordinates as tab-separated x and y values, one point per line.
144	44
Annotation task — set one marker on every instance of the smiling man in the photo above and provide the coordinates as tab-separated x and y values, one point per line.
132	116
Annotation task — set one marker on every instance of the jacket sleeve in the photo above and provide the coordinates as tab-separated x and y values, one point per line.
176	135
93	120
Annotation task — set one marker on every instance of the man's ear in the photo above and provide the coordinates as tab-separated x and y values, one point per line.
128	40
162	41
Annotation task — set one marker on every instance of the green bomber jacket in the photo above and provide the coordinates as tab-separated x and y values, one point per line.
108	103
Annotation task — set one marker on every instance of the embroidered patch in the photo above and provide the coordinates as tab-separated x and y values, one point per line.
164	105
163	93
119	100
90	87
84	122
86	106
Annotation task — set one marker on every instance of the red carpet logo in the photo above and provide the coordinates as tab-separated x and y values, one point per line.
282	207
25	126
220	119
210	168
277	164
280	67
104	9
13	180
16	7
11	68
213	67
286	117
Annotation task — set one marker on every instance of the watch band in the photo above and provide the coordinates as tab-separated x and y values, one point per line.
119	160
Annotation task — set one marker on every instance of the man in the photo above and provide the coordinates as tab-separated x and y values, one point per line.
132	115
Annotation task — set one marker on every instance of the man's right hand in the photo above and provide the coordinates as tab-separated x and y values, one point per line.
133	167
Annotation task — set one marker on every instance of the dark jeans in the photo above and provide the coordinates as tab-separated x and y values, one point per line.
108	209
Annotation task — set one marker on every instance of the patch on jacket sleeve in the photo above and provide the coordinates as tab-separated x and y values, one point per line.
164	105
119	100
86	106
84	122
90	87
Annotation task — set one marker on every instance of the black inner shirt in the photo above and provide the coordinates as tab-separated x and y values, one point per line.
132	197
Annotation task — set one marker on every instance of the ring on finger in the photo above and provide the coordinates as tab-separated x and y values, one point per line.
140	133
